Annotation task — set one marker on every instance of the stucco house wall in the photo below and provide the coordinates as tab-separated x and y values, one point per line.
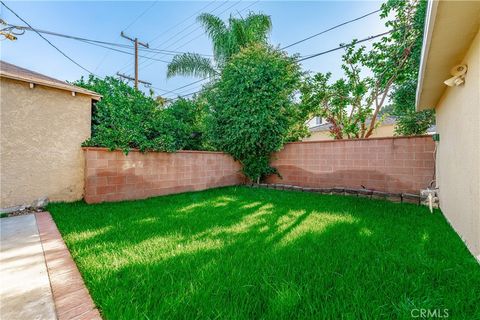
42	129
318	136
451	37
458	152
380	132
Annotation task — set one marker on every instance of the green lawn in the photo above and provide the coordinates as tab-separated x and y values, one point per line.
242	253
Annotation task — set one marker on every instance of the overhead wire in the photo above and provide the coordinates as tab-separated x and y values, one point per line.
197	81
342	46
109	45
198	28
125	52
330	29
184	86
320	33
126	28
186	19
318	54
173	27
140	15
48	41
106	43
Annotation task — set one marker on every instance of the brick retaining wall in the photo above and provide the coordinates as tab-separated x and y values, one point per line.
114	176
395	164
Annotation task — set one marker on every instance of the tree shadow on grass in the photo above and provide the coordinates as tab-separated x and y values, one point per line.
234	253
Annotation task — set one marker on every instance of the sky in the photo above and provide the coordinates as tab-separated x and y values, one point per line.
171	25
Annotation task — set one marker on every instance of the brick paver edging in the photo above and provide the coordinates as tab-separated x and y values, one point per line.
364	193
71	297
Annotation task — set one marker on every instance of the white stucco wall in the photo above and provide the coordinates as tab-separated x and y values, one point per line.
381	131
458	154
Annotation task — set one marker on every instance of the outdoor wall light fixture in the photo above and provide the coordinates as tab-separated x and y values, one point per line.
458	72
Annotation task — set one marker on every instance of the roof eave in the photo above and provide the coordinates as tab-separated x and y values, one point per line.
428	30
72	88
450	26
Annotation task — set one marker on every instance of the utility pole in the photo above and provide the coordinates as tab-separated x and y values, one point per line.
136	42
122	75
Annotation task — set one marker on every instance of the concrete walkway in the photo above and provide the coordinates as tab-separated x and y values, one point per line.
38	278
25	286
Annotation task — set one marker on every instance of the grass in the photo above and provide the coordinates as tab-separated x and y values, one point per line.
241	253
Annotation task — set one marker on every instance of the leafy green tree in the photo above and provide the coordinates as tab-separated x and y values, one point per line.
347	103
298	117
227	39
409	121
250	107
386	110
352	104
190	116
126	118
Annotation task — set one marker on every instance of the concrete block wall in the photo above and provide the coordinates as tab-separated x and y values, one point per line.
394	164
114	176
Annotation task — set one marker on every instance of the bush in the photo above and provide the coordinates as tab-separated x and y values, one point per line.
250	107
126	118
186	120
409	121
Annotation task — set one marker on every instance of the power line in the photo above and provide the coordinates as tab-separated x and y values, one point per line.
197	81
184	91
92	41
190	25
198	28
192	83
308	38
186	19
187	85
126	28
121	51
187	27
140	15
319	54
186	95
343	46
198	36
330	29
165	52
174	26
48	41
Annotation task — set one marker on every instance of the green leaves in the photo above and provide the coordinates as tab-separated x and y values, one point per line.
251	105
191	64
227	40
410	122
352	103
125	119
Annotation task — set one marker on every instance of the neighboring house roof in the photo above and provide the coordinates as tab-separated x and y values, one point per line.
326	126
8	70
450	28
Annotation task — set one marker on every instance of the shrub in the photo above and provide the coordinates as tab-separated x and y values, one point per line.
126	118
409	121
186	120
250	105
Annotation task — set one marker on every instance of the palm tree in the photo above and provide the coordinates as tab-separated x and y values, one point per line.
226	39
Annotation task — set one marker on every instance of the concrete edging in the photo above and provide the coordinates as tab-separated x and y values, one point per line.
71	296
363	193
